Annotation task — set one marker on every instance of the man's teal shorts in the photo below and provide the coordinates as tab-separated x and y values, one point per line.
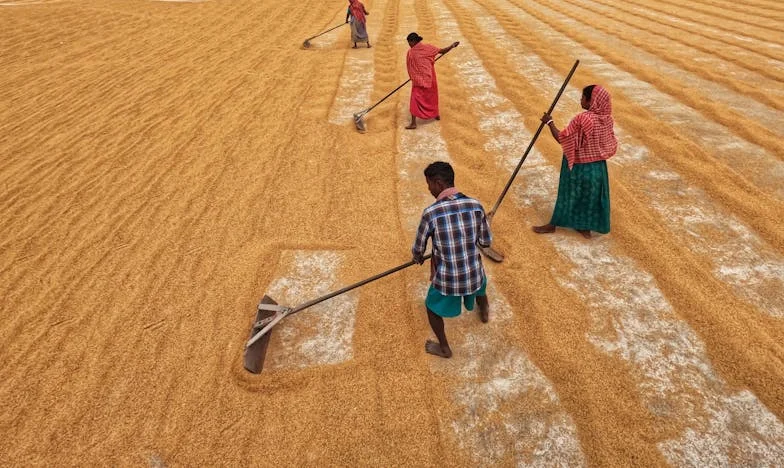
450	306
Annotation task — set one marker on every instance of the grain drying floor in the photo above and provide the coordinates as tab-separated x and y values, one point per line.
164	164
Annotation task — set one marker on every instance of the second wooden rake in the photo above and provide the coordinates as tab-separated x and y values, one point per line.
489	252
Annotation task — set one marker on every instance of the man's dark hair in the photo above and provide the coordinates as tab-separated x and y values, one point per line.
413	37
588	92
441	171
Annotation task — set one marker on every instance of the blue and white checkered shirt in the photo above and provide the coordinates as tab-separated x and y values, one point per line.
457	225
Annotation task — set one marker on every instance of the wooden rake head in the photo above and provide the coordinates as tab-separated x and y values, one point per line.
490	252
359	122
269	312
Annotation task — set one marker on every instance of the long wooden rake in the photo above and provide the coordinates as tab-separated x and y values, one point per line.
359	117
306	43
269	313
489	252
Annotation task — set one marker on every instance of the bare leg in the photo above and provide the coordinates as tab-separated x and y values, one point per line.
355	46
484	308
369	46
412	125
544	229
440	348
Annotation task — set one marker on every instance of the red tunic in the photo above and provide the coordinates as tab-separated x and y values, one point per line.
420	62
357	10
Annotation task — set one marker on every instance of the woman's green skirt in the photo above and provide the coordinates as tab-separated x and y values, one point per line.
583	197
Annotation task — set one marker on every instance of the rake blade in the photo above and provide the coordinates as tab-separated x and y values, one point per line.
359	122
492	254
255	353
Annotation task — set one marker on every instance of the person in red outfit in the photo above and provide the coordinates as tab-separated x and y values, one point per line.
356	13
420	62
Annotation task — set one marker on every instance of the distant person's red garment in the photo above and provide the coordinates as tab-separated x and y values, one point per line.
420	62
358	10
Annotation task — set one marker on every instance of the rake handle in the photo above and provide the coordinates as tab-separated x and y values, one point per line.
354	286
531	144
280	316
324	32
360	114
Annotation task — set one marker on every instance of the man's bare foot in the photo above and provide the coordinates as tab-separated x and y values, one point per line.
410	126
435	348
369	46
586	233
484	313
544	229
355	46
438	117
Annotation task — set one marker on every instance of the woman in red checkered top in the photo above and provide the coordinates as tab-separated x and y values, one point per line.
583	202
420	62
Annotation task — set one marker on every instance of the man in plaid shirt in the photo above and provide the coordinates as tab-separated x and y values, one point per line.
457	225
